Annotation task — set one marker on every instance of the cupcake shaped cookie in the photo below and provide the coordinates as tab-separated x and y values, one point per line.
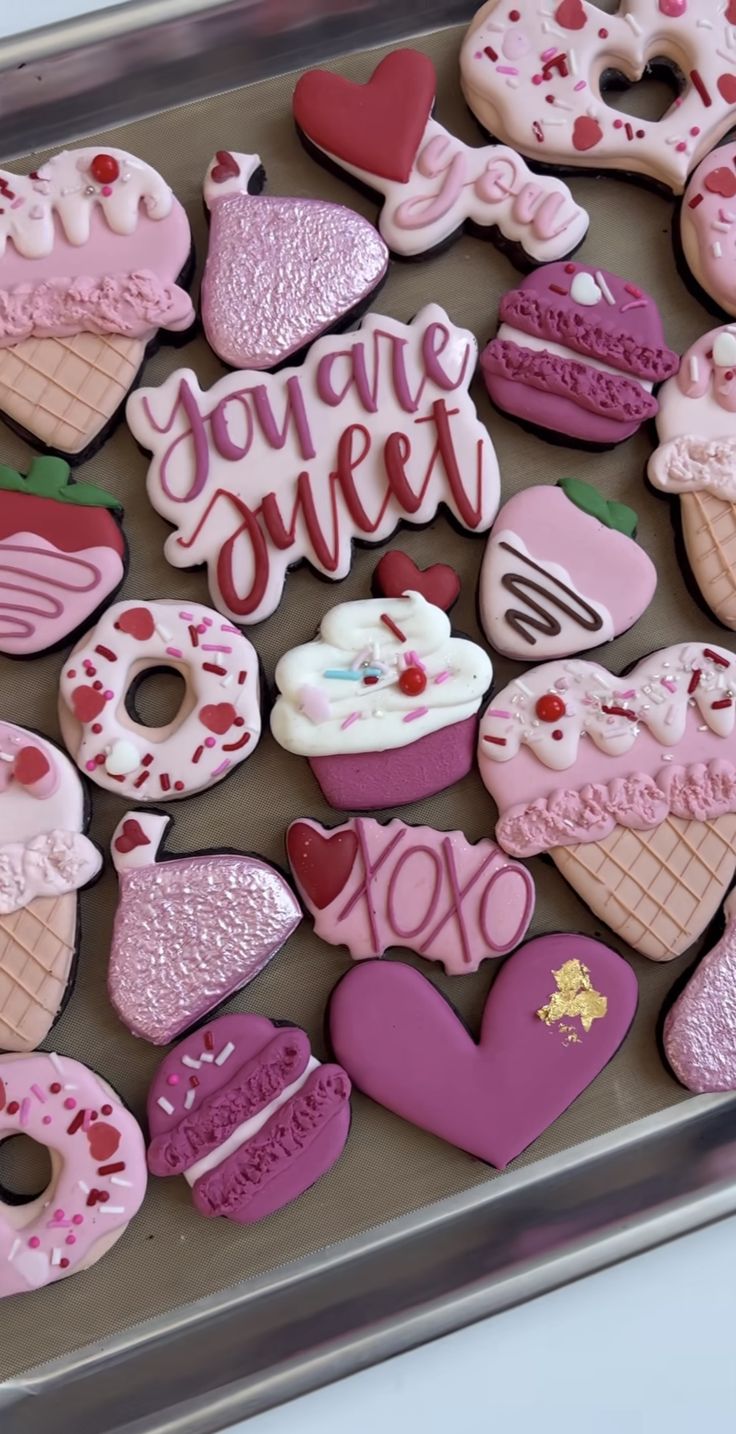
383	703
577	353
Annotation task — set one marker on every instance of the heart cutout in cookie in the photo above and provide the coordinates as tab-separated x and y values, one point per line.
556	1015
103	1140
131	836
721	181
136	622
376	127
218	717
225	167
397	574
322	865
87	703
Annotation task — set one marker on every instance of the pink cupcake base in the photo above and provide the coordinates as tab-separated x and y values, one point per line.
363	781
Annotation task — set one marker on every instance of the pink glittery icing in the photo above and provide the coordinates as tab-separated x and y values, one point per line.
700	1029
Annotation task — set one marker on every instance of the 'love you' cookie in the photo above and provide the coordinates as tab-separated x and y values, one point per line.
383	703
92	248
535	75
280	271
370	886
248	472
189	930
45	860
62	555
249	1117
557	1012
577	353
700	1028
628	782
562	572
384	135
696	460
707	217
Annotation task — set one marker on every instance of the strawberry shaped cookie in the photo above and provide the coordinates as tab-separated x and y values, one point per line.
628	782
62	555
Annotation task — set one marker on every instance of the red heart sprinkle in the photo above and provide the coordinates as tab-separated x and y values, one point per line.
136	622
30	766
103	1140
218	717
586	133
397	574
721	181
226	167
321	864
131	836
87	703
570	15
727	88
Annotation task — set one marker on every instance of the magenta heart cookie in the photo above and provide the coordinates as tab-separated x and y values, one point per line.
700	1029
280	271
557	1013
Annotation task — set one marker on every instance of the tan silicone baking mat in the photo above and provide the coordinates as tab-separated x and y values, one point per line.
171	1255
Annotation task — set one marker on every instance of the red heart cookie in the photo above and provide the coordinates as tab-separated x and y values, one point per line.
131	836
227	167
397	574
87	703
136	622
377	127
218	717
103	1140
30	766
322	865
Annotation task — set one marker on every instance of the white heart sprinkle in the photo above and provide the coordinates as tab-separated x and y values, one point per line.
122	759
724	350
584	290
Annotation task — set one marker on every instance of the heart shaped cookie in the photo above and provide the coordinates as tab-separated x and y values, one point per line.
557	1013
700	1028
397	574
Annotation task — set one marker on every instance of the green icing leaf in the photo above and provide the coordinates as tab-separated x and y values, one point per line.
613	515
50	478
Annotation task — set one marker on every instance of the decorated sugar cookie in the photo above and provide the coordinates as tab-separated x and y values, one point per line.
92	246
562	572
700	1028
45	860
383	134
371	886
707	218
557	1012
248	472
535	75
696	426
249	1117
218	723
280	272
189	930
577	353
628	782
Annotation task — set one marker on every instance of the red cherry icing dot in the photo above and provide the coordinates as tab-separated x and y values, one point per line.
412	681
550	708
104	168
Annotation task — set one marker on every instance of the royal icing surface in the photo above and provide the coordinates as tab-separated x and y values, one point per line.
556	580
696	425
700	1029
442	183
558	1011
569	750
62	553
249	1117
383	673
279	271
371	886
98	1163
217	727
577	351
189	930
375	427
533	73
707	220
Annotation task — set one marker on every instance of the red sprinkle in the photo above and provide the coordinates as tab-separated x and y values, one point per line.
694	680
632	289
538	132
497	741
490	53
629	131
716	657
194	635
111	1169
147	760
209	1041
697	80
64	1263
193	1081
76	1123
140	780
197	755
722	702
558	289
391	625
106	652
620	712
106	1109
55	1087
13	1107
695	201
212	667
241	678
165	781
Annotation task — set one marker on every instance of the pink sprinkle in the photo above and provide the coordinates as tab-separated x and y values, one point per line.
70	1240
624	696
108	696
25	1109
70	1103
34	1242
201	627
207	621
417	661
581	84
695	131
46	1120
418	712
668	683
36	1090
174	652
210	742
186	616
86	1120
634	304
58	1214
215	647
228	627
172	1080
442	676
681	149
547	54
222	768
106	190
498	712
91	766
508	69
77	1219
354	717
632	289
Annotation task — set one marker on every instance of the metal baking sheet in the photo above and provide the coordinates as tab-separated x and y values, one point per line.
188	1324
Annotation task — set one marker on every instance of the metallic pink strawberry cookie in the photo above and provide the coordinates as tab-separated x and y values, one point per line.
700	1029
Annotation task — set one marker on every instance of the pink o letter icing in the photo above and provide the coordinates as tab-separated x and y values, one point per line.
374	428
370	886
189	930
247	1115
556	1015
98	1164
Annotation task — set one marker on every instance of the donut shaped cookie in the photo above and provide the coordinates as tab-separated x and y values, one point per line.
98	1169
218	723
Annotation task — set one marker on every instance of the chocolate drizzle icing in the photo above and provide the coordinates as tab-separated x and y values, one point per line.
539	619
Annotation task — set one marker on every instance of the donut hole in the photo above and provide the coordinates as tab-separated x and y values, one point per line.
25	1170
157	697
648	98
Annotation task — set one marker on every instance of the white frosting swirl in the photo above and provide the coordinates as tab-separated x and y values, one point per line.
312	710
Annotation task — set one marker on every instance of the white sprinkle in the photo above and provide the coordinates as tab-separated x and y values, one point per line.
165	1105
572	62
190	1061
111	1209
551	30
635	26
84	1188
523	686
512	84
703	728
226	681
665	757
14	1249
207	1058
164	632
721	228
56	1255
224	1054
559	105
724	56
6	757
603	286
554	124
716	249
592	111
118	1180
71	1087
703	25
495	27
694	369
189	1099
56	1062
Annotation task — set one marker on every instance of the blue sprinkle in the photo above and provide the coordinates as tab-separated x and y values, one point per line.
344	674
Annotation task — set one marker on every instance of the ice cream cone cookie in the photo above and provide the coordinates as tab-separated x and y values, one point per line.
628	782
218	723
707	219
700	1028
384	135
383	703
696	461
577	354
45	860
91	248
562	573
189	930
535	75
280	271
